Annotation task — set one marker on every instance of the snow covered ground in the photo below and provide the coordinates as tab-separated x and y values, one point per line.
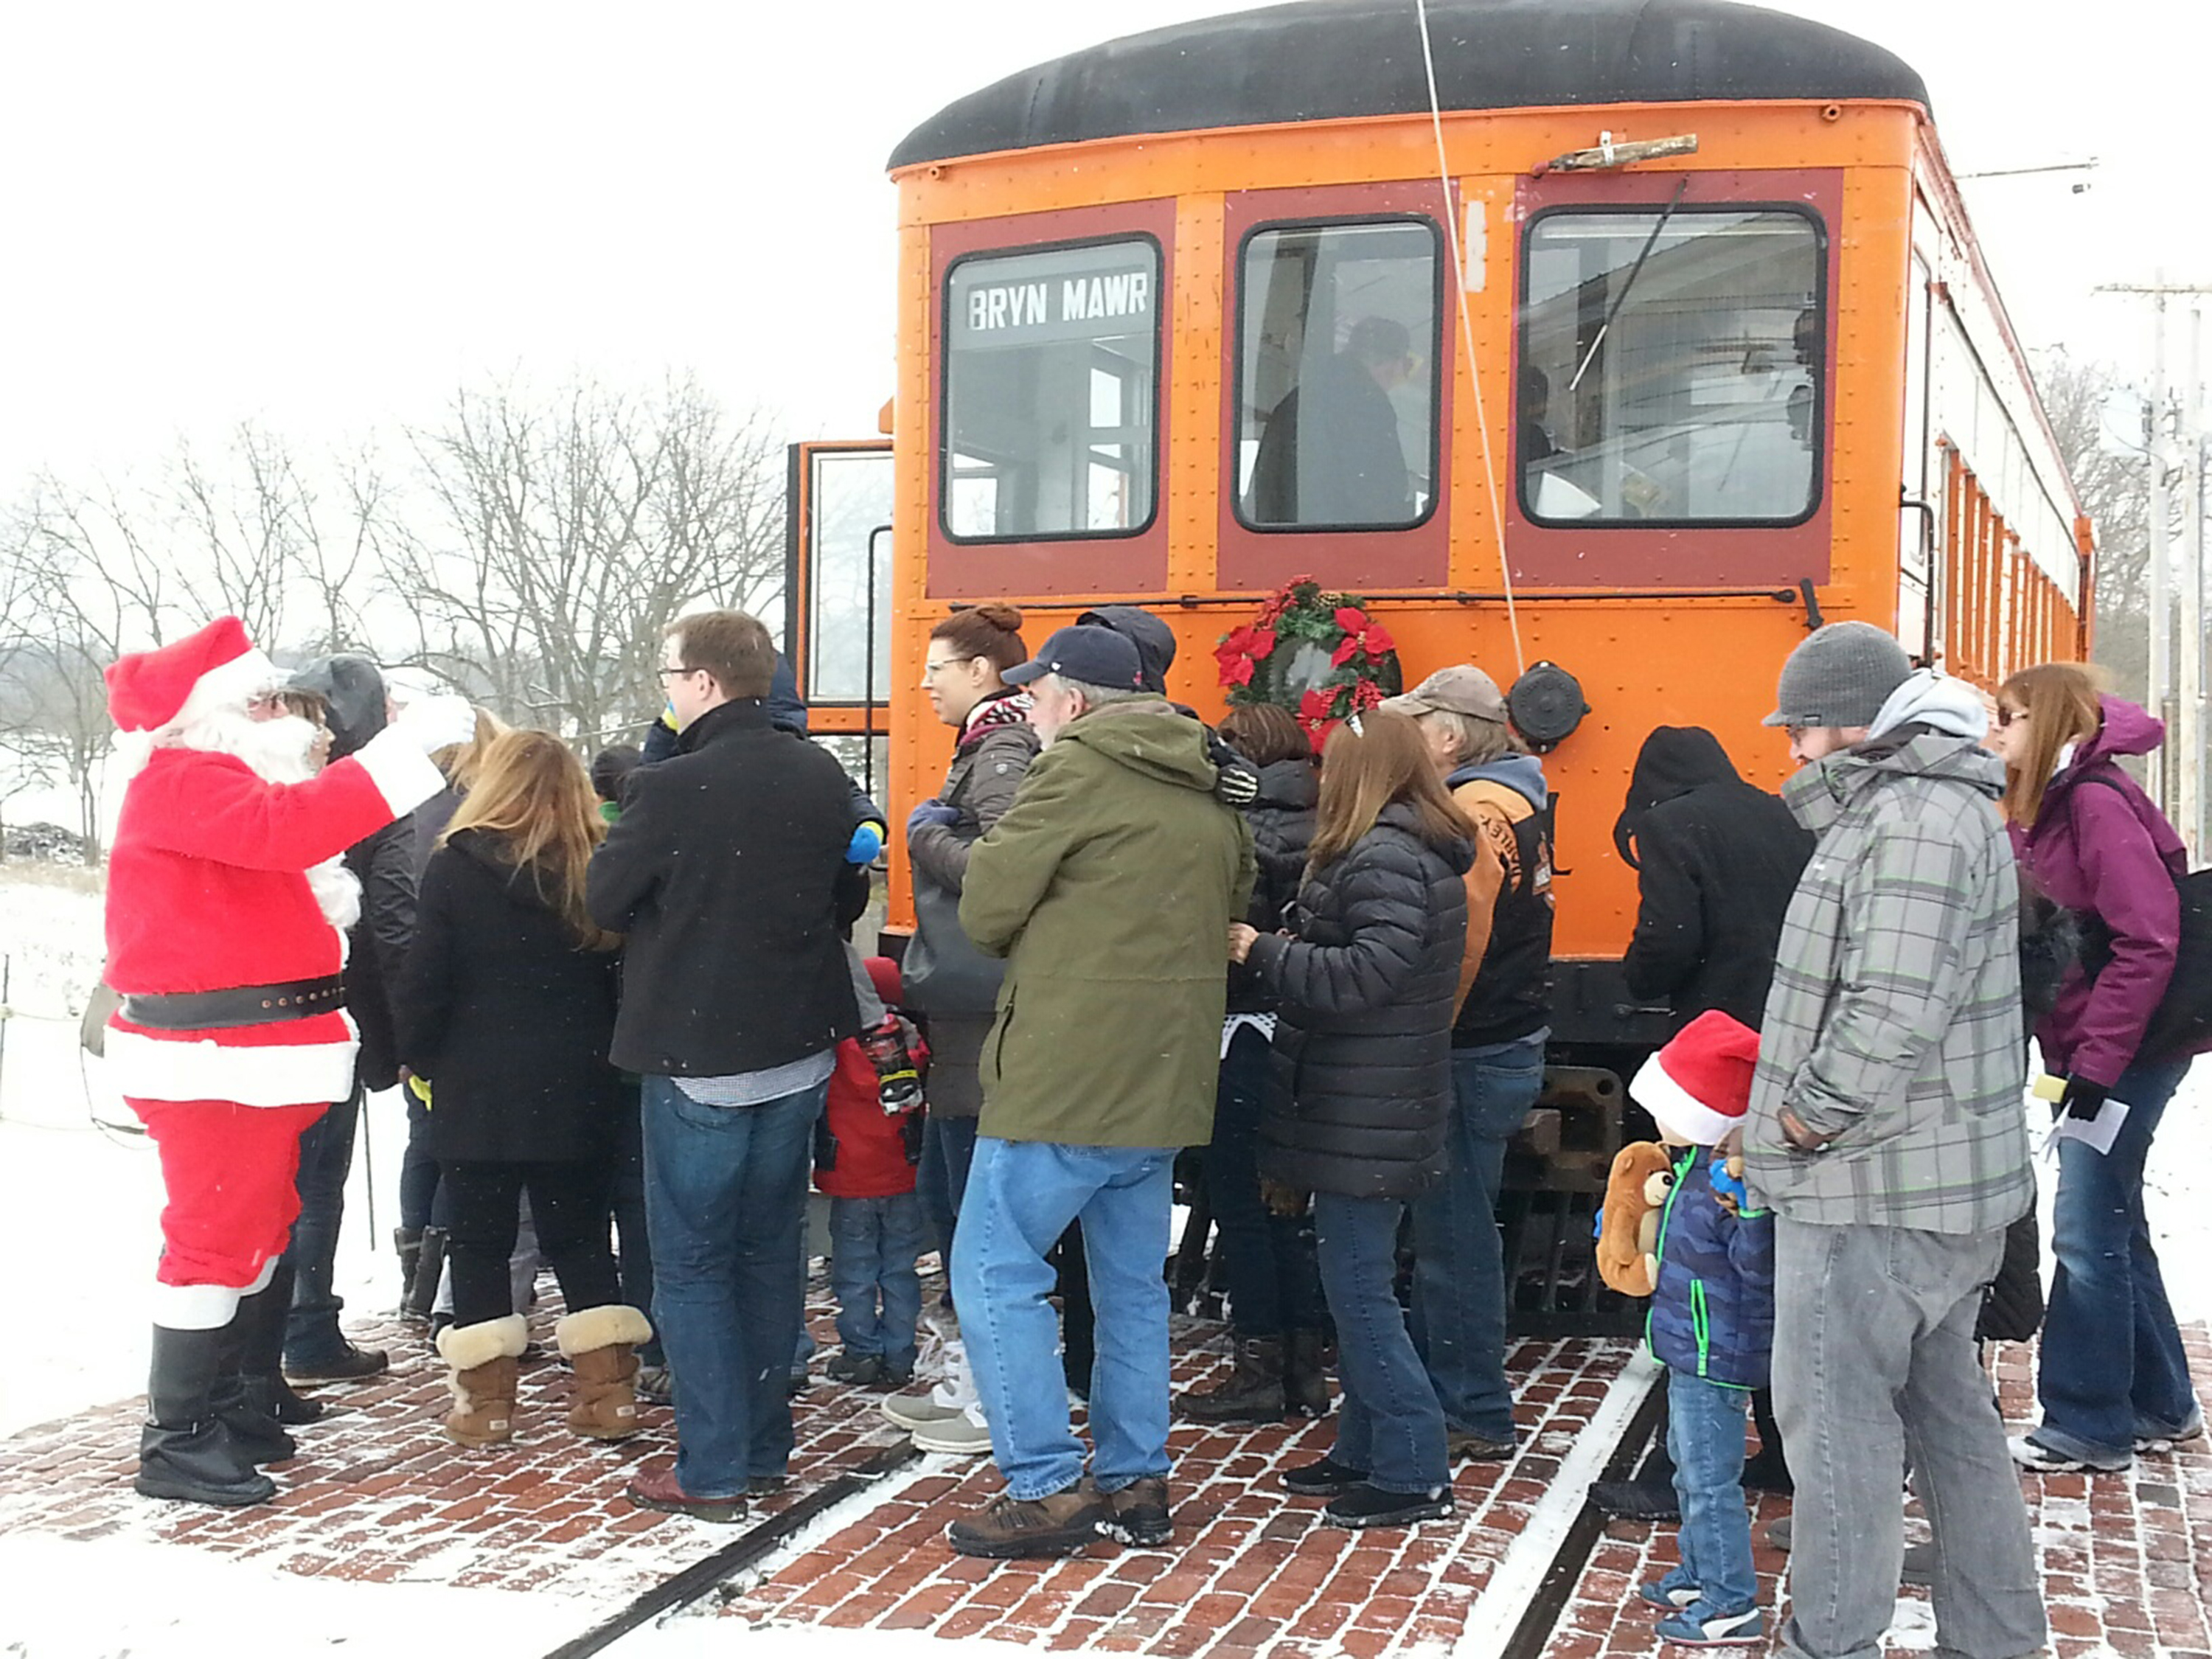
80	1197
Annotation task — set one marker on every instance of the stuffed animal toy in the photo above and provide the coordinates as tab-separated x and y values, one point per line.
1628	1227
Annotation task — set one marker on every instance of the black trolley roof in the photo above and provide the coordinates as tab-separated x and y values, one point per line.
1323	60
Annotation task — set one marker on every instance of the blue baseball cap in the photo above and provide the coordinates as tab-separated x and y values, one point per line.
1095	656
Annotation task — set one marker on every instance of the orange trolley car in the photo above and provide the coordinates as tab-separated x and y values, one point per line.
1642	337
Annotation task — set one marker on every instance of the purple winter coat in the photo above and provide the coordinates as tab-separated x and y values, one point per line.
2110	853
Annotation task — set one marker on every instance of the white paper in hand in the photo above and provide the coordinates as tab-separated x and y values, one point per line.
2098	1132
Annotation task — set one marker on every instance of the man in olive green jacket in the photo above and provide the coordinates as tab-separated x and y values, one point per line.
1108	885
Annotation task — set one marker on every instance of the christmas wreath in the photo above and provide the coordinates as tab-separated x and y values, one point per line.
1319	655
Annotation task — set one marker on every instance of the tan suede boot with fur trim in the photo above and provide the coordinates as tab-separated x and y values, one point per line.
598	1343
481	1375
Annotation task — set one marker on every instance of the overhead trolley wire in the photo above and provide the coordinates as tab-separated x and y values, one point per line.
1455	220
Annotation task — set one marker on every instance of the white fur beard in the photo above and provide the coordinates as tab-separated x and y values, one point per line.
338	891
279	750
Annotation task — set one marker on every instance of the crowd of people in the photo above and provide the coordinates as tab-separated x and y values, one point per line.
636	1009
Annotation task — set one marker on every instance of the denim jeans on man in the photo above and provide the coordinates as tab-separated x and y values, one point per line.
873	1242
725	1198
1388	1423
1705	1438
1459	1261
1021	1196
311	1335
2110	1365
1273	1284
1874	1360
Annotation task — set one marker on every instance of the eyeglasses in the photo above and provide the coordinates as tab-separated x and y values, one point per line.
2007	716
665	673
928	668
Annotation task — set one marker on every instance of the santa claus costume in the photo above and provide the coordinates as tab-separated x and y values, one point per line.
232	1034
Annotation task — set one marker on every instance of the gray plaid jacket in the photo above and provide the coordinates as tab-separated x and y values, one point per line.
1895	1022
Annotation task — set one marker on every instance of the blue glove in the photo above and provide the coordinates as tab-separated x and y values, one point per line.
867	842
932	811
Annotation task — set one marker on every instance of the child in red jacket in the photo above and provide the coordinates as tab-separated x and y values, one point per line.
863	1159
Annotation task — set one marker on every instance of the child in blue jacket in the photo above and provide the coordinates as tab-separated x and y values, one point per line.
1711	1325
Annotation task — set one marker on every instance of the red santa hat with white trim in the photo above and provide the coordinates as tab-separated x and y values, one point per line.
218	667
1698	1086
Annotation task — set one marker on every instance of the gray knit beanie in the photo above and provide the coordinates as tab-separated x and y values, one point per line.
1839	675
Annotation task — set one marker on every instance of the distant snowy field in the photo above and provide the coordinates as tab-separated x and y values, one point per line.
80	1201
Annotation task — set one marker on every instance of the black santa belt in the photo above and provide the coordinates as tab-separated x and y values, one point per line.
246	1005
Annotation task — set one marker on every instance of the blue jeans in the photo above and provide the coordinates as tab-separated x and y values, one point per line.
1273	1286
1390	1424
948	1147
311	1332
1021	1196
2111	1365
725	1198
873	1242
1459	1259
1704	1437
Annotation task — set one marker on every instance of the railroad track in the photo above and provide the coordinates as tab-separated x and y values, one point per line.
1512	1619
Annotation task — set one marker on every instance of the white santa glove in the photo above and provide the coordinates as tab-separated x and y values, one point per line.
437	722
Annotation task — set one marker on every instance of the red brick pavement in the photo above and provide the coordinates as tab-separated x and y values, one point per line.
378	1495
1251	1570
2126	1558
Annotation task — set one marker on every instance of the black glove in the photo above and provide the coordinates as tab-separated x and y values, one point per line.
1237	785
2082	1099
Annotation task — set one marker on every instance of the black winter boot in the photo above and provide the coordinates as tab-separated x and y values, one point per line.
1252	1392
263	1362
408	1243
429	1268
256	1339
1305	1379
186	1451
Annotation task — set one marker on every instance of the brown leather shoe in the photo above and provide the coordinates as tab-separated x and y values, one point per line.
656	1489
1008	1526
598	1343
1138	1515
481	1376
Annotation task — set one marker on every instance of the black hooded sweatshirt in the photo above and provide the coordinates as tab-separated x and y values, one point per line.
376	946
1717	860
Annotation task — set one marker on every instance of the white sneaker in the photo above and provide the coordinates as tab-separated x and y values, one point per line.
966	1434
918	1409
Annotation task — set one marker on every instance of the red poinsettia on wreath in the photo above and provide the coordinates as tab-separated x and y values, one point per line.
1319	655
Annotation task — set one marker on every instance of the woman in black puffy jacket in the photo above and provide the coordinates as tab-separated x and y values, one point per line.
1275	1308
1367	978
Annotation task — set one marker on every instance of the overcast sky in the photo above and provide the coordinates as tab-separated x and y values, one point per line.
325	217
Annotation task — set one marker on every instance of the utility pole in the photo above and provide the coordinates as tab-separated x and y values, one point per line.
2179	761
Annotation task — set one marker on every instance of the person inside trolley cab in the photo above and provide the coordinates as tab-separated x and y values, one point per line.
1330	454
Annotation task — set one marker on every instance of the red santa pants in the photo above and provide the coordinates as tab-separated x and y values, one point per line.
230	1173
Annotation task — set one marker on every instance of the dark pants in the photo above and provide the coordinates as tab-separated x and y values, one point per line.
1273	1284
633	1240
418	1169
569	1208
948	1147
311	1336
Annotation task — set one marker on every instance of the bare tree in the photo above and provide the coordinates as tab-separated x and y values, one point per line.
564	533
2114	483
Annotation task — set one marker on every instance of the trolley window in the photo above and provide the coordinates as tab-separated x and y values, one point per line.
1671	366
1336	376
1051	393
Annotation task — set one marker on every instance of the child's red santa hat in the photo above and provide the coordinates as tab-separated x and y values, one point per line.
216	668
1698	1086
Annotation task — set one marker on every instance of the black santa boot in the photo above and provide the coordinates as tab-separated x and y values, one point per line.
186	1451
